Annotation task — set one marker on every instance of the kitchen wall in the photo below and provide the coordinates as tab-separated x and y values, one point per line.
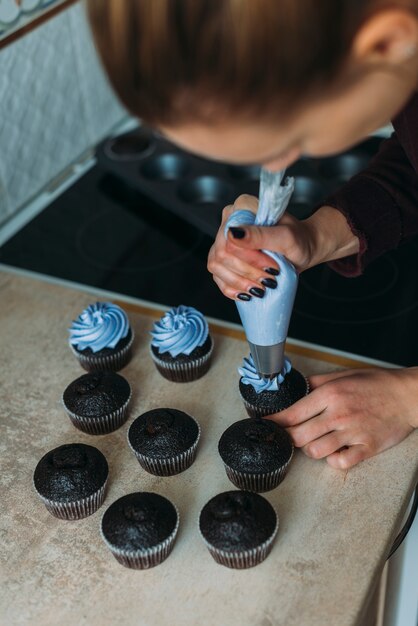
55	103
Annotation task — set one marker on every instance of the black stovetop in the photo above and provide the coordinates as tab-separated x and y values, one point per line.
104	233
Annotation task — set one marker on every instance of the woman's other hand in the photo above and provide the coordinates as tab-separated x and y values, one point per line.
352	415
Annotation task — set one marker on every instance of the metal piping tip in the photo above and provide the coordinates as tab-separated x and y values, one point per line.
268	360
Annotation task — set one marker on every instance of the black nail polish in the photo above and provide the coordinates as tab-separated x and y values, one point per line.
237	233
269	282
257	292
272	271
244	296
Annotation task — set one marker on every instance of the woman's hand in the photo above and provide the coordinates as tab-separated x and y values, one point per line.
241	269
352	415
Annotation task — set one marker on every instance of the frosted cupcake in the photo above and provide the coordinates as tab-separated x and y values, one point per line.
101	337
140	529
264	396
238	528
181	345
71	480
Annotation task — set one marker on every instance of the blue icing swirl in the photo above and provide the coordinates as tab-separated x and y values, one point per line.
250	376
180	331
101	325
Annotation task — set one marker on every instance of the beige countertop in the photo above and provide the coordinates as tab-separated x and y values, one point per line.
335	527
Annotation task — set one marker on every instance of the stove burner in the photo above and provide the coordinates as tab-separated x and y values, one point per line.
114	238
378	295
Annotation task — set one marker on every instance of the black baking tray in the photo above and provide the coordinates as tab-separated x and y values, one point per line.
198	189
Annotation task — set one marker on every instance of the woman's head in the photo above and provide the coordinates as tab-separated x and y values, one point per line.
246	80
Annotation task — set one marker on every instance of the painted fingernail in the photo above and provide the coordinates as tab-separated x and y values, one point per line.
272	271
257	292
269	282
237	233
244	296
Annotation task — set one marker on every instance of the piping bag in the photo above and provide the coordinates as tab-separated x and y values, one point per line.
266	321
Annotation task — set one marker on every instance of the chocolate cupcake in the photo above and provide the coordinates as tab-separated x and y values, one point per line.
71	480
182	347
97	402
101	337
238	528
256	454
164	441
264	396
140	529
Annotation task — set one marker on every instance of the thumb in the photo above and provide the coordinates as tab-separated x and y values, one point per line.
254	237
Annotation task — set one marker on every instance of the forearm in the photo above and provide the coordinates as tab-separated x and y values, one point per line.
331	236
379	205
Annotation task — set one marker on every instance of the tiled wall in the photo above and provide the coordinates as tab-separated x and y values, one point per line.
55	102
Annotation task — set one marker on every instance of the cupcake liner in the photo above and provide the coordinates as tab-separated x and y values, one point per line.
168	467
254	411
78	509
144	559
183	372
243	559
100	425
258	482
106	363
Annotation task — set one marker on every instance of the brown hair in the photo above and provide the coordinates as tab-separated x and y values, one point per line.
170	61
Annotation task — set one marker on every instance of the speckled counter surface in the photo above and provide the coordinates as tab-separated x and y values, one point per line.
335	527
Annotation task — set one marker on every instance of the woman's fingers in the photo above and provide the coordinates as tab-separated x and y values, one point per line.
246	201
348	457
256	258
308	431
324	446
236	283
321	379
308	407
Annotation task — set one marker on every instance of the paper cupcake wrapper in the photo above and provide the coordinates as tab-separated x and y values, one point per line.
100	425
144	559
168	467
243	559
181	372
258	482
254	411
107	363
78	509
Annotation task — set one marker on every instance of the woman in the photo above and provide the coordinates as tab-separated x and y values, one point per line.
262	81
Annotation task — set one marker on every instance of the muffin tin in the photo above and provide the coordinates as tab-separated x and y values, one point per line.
197	189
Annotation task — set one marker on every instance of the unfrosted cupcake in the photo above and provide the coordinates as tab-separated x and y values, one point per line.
181	345
238	528
140	529
256	454
71	480
264	396
97	402
164	441
101	337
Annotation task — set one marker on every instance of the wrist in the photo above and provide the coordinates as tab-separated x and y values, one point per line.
331	236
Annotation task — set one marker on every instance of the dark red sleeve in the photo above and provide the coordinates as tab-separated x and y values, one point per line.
380	205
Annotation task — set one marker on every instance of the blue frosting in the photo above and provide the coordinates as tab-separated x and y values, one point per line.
180	331
266	321
101	325
251	377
